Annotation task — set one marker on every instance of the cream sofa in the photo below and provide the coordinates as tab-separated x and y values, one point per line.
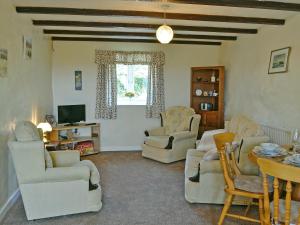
210	188
52	184
178	133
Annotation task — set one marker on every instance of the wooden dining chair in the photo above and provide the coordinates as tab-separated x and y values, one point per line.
280	211
236	183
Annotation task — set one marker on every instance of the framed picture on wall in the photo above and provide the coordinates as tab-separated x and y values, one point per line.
78	80
27	47
279	60
3	62
51	120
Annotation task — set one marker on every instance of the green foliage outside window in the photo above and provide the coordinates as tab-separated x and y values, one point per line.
121	88
139	85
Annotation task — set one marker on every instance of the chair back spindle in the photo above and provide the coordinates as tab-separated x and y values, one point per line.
285	173
223	141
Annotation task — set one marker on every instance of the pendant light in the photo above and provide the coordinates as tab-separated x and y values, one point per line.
164	33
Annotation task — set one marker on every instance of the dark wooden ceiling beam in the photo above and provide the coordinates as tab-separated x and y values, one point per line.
133	40
148	14
142	26
254	4
138	34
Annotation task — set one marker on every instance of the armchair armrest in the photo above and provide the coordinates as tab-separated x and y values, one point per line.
182	135
212	166
193	158
160	131
194	124
60	174
177	136
64	158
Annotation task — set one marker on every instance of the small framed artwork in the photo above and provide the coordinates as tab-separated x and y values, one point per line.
27	47
279	60
78	80
51	120
3	62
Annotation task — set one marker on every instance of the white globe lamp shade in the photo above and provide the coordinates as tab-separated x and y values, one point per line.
164	34
46	127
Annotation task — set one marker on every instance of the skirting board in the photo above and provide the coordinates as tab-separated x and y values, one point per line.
9	203
120	148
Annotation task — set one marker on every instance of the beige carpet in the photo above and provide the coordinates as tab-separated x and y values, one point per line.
136	191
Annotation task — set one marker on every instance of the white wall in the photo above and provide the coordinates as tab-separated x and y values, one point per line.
26	93
128	129
270	99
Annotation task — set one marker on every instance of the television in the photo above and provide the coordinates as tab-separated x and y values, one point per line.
71	113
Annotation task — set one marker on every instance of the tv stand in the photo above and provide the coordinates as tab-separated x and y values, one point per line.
72	140
71	124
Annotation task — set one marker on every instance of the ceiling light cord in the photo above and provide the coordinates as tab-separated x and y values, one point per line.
164	33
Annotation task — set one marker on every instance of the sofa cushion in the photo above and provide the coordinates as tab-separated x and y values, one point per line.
27	131
157	141
177	119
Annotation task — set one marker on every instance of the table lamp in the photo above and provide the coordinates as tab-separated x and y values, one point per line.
46	127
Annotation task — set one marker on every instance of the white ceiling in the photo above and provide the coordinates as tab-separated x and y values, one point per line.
149	6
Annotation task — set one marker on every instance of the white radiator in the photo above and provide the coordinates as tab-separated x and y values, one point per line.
277	135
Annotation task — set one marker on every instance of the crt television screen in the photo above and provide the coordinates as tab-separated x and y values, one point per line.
71	113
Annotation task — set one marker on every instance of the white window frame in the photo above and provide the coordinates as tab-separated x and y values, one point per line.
126	101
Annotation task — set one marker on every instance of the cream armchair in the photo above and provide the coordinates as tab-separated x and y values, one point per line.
209	187
52	184
178	133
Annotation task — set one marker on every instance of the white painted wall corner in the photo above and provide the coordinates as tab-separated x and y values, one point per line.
9	203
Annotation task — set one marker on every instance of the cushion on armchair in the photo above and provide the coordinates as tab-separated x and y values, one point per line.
177	119
207	141
26	131
240	125
244	127
212	154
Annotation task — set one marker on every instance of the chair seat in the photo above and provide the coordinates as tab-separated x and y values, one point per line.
250	183
157	141
295	206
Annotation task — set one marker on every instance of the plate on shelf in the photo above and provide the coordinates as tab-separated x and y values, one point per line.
198	92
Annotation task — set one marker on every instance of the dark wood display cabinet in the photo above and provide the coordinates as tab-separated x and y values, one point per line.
207	96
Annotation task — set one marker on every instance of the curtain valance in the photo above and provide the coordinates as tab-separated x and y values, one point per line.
104	57
106	100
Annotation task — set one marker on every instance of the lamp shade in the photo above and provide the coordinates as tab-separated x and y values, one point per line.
164	34
46	127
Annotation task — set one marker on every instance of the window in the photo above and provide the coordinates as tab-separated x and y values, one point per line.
132	82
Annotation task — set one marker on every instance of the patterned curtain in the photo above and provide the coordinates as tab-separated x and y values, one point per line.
106	99
106	103
156	91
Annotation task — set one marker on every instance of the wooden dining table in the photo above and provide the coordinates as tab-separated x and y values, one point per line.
254	157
